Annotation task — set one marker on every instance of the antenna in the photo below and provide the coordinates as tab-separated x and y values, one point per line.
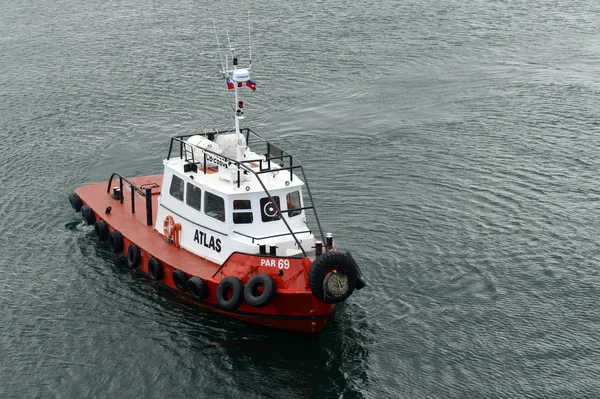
235	77
230	48
249	38
218	45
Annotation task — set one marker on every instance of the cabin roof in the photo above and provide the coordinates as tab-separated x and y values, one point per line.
276	179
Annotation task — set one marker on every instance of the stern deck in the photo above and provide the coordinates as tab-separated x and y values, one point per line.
133	226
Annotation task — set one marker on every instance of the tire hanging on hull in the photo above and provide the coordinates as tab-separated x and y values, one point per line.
180	280
101	229
115	241
198	288
256	298
134	255
155	269
236	287
360	279
88	215
75	201
332	277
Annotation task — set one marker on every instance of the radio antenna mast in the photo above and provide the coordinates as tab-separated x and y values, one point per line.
218	45
235	77
249	37
231	49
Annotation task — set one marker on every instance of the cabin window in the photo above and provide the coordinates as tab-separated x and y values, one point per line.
293	202
176	189
242	217
193	196
268	211
214	206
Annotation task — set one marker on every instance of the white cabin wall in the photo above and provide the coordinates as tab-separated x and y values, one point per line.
215	240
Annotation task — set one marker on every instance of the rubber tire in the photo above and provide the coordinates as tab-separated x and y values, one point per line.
319	268
237	295
360	279
155	269
265	297
134	255
360	283
88	215
115	241
198	288
101	229
180	280
75	201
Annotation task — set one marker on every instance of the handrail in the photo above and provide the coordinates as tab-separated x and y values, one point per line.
146	193
273	236
244	165
304	178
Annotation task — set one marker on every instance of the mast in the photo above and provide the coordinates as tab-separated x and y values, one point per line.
238	112
236	77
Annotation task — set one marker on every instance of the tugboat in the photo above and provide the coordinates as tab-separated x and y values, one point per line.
226	226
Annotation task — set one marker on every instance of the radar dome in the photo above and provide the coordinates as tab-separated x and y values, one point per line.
241	75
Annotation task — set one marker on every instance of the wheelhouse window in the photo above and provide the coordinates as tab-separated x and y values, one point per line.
193	196
268	211
176	189
214	206
293	202
242	217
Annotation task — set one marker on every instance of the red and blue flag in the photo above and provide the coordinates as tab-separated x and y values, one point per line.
230	84
251	85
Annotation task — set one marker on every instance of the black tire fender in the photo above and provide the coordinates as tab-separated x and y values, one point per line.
322	266
180	280
198	288
75	201
115	241
88	215
134	255
360	282
236	287
360	278
155	269
101	229
260	300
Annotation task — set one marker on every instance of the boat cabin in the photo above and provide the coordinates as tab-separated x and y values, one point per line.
224	198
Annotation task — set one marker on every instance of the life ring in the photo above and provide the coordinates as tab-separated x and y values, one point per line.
101	229
134	255
171	230
180	280
256	298
155	269
326	264
115	241
198	288
230	293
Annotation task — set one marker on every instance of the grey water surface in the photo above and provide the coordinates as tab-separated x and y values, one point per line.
452	146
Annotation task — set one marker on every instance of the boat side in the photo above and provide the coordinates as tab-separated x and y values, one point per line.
133	227
293	306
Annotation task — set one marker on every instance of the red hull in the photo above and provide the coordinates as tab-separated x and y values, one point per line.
293	308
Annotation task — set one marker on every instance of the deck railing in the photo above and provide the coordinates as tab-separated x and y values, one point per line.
145	192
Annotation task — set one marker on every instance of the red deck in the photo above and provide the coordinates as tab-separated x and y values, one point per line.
294	306
133	225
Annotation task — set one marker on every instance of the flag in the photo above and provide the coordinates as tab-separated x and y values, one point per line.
230	84
251	85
